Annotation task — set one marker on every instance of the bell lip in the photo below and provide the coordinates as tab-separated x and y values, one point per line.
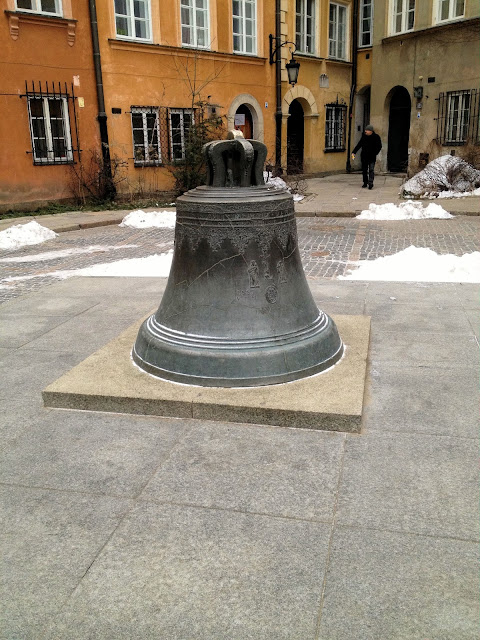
228	383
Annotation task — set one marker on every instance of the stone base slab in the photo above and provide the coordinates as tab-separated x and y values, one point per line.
333	400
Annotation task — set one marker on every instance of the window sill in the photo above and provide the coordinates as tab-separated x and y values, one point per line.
334	150
339	61
140	165
134	40
15	18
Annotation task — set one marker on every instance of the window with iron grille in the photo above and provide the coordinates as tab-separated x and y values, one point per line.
366	23
403	16
337	31
335	118
244	26
458	117
450	9
50	129
305	26
195	23
49	7
180	123
132	19
146	136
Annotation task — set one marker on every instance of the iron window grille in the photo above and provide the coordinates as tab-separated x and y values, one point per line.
335	119
132	19
48	7
244	14
366	23
195	23
337	31
50	108
458	117
305	26
403	16
180	123
146	136
450	9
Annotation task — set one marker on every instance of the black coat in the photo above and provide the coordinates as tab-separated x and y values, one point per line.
370	146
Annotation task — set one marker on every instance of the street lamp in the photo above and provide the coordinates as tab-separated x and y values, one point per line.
292	67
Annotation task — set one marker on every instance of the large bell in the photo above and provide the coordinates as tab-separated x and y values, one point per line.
237	310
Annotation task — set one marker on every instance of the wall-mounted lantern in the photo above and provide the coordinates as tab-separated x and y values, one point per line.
293	66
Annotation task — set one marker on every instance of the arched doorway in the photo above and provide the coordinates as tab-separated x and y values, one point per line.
295	138
243	121
398	129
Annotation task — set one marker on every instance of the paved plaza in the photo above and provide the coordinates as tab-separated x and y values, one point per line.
132	527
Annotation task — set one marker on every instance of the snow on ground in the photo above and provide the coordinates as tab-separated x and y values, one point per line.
409	210
416	264
64	253
457	194
149	219
447	174
154	266
21	235
278	183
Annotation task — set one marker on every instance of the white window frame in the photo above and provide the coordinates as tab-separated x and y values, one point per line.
182	113
132	19
462	119
306	20
334	43
452	9
67	137
243	22
331	134
193	10
146	160
403	9
37	8
362	31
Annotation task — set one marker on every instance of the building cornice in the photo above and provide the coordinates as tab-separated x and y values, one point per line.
436	28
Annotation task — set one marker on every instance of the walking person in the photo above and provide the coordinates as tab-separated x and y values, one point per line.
370	144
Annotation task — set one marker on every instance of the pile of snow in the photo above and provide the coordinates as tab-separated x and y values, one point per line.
416	264
147	220
444	174
457	194
409	210
278	183
21	235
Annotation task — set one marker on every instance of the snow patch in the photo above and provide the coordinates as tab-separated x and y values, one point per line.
416	264
21	235
64	253
148	220
445	174
409	210
278	183
154	266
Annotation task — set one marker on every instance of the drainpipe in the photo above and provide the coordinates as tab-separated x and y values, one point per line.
353	86
278	87
109	187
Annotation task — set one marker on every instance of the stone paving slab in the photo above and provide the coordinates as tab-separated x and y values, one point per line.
108	381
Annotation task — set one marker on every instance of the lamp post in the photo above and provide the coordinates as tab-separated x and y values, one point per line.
293	66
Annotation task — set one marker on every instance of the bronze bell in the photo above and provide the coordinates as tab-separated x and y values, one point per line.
237	310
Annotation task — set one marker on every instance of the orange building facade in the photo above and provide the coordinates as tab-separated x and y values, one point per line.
48	99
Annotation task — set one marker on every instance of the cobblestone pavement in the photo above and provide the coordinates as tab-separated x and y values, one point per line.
328	247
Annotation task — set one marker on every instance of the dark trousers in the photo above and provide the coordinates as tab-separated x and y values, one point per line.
367	170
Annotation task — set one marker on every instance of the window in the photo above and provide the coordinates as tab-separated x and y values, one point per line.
132	19
458	117
146	138
450	9
50	130
335	118
403	16
305	26
180	121
50	7
337	31
366	18
194	16
244	26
